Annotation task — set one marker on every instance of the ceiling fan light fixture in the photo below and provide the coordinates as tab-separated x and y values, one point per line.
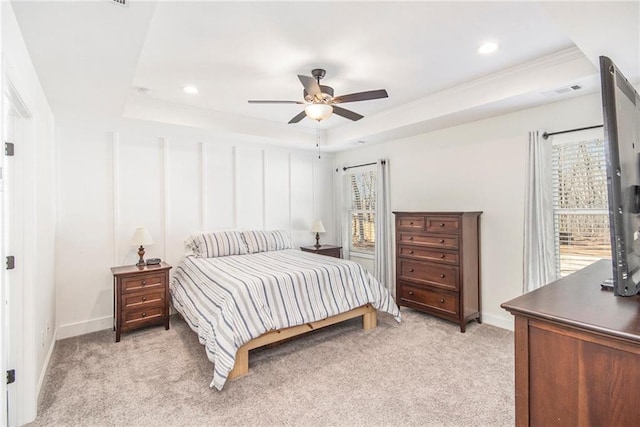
318	111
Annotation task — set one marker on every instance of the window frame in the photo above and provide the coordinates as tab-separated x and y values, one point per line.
348	212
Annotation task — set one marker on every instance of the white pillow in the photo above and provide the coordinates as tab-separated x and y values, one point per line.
263	241
216	244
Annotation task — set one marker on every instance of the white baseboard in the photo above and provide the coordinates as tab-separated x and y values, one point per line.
500	322
80	328
45	365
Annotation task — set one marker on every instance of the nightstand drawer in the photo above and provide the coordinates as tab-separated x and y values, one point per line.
143	315
143	298
141	283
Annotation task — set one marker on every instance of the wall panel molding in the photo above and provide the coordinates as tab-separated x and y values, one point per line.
203	187
115	141
165	195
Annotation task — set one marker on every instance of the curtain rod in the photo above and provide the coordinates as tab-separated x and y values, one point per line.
359	166
547	135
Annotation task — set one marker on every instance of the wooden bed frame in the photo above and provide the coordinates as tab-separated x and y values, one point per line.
369	321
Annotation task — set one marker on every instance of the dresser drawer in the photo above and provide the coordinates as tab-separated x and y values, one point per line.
141	283
411	223
143	298
429	240
428	255
429	273
436	224
132	318
440	301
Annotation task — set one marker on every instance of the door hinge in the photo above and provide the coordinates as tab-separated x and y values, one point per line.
11	376
8	148
11	262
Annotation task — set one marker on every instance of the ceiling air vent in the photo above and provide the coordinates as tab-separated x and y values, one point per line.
119	2
561	90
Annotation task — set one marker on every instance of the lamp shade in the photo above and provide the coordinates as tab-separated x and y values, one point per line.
318	111
141	237
317	227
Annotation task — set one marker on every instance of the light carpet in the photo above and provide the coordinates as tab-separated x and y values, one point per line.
422	371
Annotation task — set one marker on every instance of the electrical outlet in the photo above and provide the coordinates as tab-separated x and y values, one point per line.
42	338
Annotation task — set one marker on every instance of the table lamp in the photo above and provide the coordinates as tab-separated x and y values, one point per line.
140	238
317	228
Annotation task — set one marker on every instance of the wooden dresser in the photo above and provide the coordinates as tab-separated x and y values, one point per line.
437	264
140	297
577	351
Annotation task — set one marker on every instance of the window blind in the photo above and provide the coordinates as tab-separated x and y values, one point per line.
360	192
581	218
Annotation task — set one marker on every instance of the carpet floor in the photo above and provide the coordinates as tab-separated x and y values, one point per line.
422	371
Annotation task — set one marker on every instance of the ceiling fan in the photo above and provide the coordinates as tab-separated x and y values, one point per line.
320	100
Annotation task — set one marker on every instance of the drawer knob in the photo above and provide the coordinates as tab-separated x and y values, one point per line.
411	223
442	276
410	252
144	298
411	238
441	300
441	240
410	292
441	255
442	224
144	282
411	270
144	314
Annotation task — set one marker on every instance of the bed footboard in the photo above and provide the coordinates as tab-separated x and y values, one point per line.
241	367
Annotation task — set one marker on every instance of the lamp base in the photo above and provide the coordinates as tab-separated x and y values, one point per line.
141	262
317	245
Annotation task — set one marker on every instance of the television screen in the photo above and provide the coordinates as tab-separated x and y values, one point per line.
621	110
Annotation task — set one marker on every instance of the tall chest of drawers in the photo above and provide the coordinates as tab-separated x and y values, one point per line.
437	264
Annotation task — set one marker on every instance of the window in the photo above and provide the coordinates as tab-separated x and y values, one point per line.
360	190
581	218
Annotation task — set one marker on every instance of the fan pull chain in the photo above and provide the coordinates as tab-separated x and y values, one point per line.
318	137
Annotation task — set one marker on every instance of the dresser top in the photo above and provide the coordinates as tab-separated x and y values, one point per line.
435	213
579	301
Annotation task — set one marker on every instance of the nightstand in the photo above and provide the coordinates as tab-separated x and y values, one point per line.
140	297
329	250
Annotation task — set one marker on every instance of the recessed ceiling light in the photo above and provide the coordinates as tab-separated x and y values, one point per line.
190	89
488	47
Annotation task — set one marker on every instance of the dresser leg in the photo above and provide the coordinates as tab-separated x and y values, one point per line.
117	335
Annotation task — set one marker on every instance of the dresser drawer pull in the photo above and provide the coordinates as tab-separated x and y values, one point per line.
441	255
411	270
411	238
441	240
144	314
411	223
441	300
410	292
442	224
410	252
442	276
144	298
144	282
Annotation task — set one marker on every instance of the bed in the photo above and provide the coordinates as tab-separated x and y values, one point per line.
246	297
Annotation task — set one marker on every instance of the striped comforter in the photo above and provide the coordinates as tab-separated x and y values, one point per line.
230	300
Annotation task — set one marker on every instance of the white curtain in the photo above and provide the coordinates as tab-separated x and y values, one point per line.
382	256
539	249
345	201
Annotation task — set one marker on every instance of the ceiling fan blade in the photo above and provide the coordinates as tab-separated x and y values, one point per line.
347	114
266	101
311	85
361	96
299	117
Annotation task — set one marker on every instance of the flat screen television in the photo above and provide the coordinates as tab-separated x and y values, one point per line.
621	111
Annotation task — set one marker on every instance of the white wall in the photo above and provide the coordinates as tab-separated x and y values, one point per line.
117	175
35	166
478	166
